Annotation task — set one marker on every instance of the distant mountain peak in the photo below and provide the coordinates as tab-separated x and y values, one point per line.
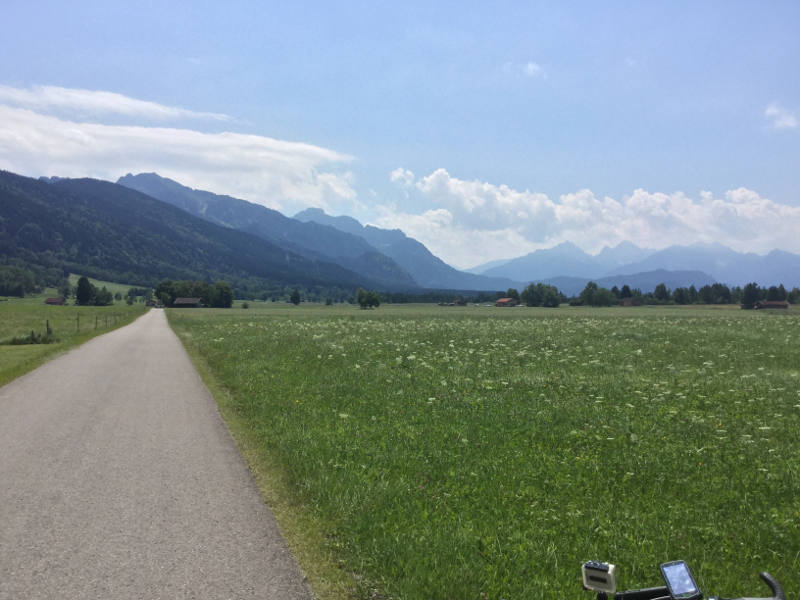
342	223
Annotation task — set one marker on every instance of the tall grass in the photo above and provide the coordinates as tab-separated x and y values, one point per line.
478	453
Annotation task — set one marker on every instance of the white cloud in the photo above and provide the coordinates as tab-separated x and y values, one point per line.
402	176
531	69
276	173
781	117
525	69
95	103
470	222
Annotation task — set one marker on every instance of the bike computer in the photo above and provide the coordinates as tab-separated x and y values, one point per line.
679	580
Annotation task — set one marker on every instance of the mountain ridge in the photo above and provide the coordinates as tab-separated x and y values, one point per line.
313	241
109	231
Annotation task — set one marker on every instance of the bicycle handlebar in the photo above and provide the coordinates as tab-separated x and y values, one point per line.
662	593
774	586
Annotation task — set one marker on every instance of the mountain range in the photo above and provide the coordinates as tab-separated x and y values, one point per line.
385	256
627	261
109	231
147	227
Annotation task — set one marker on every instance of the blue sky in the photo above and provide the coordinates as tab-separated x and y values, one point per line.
486	130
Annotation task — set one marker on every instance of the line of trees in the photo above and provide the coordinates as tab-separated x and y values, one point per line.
717	293
218	295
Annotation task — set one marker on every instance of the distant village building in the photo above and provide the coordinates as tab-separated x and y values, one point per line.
55	301
506	302
186	303
772	304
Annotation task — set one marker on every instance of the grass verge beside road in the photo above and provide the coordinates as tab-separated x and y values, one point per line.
448	452
70	325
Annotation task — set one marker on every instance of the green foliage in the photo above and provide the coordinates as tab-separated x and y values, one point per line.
368	298
294	298
85	292
540	294
512	293
17	281
750	295
218	295
491	452
661	293
593	295
115	233
777	293
718	293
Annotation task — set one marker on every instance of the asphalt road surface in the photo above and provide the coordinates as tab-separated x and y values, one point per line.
118	479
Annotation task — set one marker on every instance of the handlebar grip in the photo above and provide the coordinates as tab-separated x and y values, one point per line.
777	590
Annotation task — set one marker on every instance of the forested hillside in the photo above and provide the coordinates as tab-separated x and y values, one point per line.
111	232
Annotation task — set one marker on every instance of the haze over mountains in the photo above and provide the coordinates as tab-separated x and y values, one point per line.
147	227
681	264
388	256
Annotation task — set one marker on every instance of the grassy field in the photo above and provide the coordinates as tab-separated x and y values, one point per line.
485	453
71	325
99	284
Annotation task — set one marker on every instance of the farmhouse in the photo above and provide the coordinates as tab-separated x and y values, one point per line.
186	303
772	304
506	302
55	301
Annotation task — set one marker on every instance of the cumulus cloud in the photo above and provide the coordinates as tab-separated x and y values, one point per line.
470	222
279	174
780	117
402	176
48	98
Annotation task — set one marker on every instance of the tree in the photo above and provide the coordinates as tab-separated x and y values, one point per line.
222	296
750	295
794	296
103	297
661	293
625	292
540	294
65	290
680	295
512	293
373	299
776	293
84	293
295	297
368	299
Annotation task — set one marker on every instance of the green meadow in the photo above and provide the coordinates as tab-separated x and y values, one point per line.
448	452
70	326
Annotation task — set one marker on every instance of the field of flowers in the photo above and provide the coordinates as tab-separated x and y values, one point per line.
486	453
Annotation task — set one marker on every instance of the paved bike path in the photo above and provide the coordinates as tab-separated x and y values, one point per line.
118	479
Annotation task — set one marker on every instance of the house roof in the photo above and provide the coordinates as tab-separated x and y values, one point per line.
505	300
